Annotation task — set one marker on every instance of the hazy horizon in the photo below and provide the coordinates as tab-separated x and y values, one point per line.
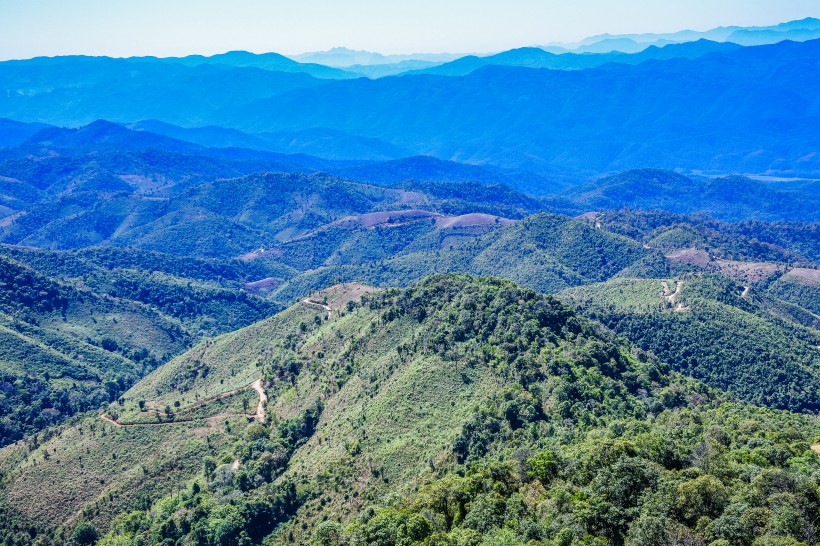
156	28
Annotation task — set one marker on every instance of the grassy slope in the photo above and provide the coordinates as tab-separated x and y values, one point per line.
102	470
713	332
78	328
375	401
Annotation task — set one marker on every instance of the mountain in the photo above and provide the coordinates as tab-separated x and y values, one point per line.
422	169
79	328
78	90
717	301
345	58
383	70
461	408
324	143
758	35
752	241
223	218
532	57
100	136
723	119
727	198
734	337
273	62
13	133
104	184
544	252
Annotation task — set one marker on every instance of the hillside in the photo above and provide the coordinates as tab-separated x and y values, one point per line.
13	133
545	252
534	57
722	119
726	334
460	409
272	62
752	241
75	90
731	198
767	34
79	328
139	189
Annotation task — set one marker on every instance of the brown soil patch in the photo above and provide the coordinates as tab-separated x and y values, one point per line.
336	297
802	275
588	216
470	220
263	286
693	256
393	217
750	272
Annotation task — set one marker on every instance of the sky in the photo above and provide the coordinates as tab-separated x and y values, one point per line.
30	28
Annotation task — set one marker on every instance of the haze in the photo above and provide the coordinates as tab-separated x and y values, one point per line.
158	27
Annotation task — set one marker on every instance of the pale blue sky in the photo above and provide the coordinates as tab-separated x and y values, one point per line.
177	27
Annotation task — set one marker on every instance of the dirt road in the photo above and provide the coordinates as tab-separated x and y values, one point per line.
312	303
263	399
673	296
259	415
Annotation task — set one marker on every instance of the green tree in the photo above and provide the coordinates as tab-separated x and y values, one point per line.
85	534
543	467
702	496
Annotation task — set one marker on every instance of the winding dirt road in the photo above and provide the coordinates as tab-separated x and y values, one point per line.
263	399
312	303
259	415
673	296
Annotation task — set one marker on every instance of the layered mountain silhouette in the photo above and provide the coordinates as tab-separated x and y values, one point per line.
706	108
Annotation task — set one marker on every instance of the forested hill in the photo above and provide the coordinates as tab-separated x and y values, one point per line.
461	410
78	329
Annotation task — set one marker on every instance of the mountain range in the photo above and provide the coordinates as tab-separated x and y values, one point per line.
536	298
798	30
507	116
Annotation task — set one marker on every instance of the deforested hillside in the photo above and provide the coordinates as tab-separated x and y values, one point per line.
459	410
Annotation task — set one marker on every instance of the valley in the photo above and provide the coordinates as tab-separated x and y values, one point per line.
558	295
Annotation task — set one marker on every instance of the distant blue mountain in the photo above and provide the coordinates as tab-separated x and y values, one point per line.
702	106
157	149
732	198
324	143
803	29
746	110
79	90
749	37
343	57
102	136
266	61
13	132
533	57
431	169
